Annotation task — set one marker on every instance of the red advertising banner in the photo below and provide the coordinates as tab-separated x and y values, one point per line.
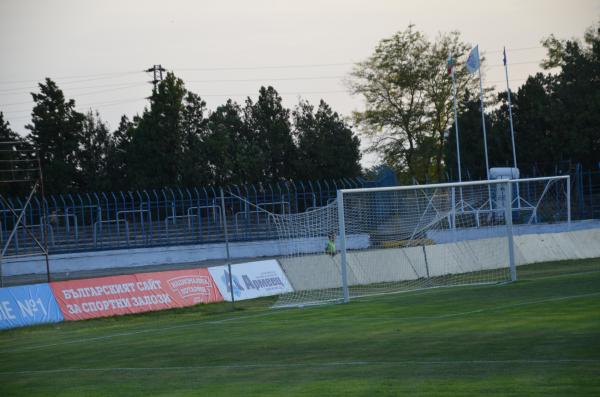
136	293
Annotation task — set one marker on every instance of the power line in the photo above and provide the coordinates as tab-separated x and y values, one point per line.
61	84
208	95
2	92
111	103
315	65
111	89
266	78
79	95
280	93
512	49
99	75
95	104
513	64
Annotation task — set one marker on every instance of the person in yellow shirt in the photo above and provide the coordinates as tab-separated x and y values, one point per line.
330	248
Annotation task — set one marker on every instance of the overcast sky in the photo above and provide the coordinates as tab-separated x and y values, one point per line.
97	50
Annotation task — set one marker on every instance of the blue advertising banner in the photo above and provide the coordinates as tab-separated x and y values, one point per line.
28	305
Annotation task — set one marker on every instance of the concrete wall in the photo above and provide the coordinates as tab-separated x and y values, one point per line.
169	255
365	266
476	233
401	264
580	244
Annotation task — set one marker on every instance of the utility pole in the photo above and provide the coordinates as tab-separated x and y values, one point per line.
157	74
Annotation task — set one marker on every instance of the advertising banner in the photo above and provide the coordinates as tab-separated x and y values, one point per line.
251	280
28	305
136	293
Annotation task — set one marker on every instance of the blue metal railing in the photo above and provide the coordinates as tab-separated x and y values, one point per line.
161	217
585	184
175	216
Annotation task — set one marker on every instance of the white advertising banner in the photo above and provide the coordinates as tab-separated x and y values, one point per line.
251	280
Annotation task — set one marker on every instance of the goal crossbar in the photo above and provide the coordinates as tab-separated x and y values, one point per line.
452	184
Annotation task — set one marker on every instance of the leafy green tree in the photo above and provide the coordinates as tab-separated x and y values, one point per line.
194	129
575	96
118	161
327	148
56	131
269	127
156	147
12	142
472	158
534	121
232	154
94	154
408	99
556	114
6	133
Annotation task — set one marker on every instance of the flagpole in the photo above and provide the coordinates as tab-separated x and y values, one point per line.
456	131
456	124
485	148
510	118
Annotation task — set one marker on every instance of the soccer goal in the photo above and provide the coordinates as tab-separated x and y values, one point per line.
387	240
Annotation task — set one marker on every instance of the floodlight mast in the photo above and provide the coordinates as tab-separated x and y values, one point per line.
21	165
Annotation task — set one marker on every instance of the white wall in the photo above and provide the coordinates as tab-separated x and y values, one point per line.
400	264
169	255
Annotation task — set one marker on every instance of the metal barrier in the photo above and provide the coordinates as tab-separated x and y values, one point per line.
169	216
116	222
585	184
176	216
53	219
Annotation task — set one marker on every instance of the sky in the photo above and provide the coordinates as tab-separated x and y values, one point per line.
97	51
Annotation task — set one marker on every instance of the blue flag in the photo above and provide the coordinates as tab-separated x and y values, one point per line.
473	61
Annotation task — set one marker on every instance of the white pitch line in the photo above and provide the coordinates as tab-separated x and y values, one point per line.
306	365
271	312
501	307
356	318
142	331
450	315
535	278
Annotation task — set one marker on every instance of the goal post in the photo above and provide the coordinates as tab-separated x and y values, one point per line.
344	259
509	231
395	239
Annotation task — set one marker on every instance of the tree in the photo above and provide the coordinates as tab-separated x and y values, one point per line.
327	148
118	161
6	133
268	124
55	132
156	147
533	108
194	129
11	142
407	94
556	114
94	153
472	151
575	96
232	155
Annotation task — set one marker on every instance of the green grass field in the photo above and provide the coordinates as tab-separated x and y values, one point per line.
539	336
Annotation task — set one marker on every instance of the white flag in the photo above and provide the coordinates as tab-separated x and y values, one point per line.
473	62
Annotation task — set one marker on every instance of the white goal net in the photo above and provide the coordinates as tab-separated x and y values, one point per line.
388	240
